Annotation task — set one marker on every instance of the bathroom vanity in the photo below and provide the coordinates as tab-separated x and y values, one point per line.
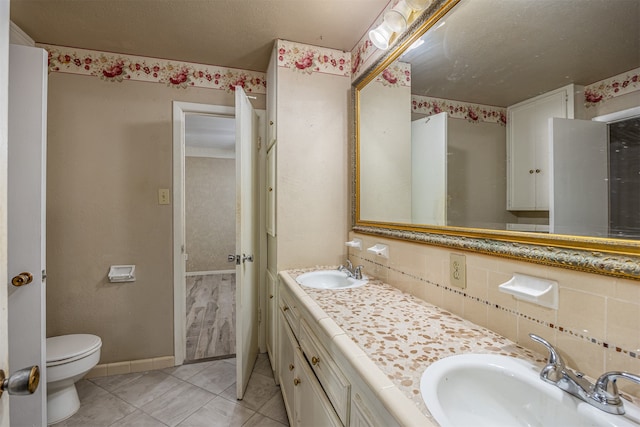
354	357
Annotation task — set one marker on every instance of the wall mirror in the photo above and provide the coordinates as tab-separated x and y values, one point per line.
513	122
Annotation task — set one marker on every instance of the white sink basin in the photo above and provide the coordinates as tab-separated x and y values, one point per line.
329	279
490	390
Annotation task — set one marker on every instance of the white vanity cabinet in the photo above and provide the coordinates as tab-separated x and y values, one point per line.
319	383
304	398
528	171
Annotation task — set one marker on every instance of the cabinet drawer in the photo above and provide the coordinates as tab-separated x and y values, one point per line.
289	309
330	376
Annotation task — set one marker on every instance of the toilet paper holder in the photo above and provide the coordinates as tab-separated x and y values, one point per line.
122	273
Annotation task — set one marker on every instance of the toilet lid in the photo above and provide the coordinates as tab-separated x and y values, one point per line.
66	347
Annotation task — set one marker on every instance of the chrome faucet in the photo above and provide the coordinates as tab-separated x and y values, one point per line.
356	273
555	372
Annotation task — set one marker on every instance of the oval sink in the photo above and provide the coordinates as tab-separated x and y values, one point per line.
491	390
329	279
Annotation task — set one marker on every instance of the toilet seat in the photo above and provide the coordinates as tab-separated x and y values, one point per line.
68	348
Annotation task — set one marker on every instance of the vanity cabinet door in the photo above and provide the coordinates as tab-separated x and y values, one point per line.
360	416
272	325
528	177
312	407
286	364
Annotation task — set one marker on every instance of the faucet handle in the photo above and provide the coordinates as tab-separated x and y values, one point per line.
349	265
555	364
357	273
601	387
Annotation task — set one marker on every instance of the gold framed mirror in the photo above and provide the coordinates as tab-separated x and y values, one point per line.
487	75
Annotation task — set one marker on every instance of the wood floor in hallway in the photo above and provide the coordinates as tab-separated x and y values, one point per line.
211	316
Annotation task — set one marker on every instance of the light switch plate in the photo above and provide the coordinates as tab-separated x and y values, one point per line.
458	271
163	196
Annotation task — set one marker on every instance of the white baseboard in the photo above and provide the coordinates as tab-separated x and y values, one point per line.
130	366
205	273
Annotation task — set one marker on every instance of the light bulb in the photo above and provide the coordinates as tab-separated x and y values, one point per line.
380	36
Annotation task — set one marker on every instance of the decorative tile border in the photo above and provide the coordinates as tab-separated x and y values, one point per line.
475	113
312	59
581	260
577	334
612	87
115	67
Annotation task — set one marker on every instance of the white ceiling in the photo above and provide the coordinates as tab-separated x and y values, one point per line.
229	33
209	132
500	52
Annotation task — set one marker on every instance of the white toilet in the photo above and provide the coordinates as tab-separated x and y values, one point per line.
69	358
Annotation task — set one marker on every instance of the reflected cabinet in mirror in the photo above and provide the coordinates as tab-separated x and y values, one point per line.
508	120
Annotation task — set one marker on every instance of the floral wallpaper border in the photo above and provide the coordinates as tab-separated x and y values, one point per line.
309	59
474	113
115	67
607	264
396	75
612	87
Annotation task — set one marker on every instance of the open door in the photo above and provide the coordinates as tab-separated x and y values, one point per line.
578	190
429	170
247	302
26	223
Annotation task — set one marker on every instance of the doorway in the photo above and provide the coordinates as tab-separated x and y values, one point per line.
209	199
248	296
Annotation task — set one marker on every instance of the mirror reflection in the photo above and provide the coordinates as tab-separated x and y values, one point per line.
519	115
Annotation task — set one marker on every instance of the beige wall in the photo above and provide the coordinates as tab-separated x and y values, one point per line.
476	175
312	173
210	210
109	151
385	159
590	306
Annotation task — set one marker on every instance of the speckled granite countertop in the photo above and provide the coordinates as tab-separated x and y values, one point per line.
403	334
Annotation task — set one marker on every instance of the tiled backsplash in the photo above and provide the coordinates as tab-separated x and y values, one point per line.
596	326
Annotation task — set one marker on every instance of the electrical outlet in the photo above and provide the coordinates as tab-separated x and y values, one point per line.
163	196
458	271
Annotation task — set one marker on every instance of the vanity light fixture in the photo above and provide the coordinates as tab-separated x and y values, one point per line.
395	21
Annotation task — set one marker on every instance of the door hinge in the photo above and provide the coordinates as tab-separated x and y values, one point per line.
44	275
259	143
259	315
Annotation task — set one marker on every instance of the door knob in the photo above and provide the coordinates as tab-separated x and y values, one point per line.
21	279
246	258
23	382
234	258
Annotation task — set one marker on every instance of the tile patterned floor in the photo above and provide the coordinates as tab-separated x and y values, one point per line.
211	315
195	395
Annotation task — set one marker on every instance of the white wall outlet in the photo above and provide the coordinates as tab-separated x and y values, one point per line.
163	196
458	271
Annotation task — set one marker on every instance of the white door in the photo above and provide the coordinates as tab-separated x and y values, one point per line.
26	224
4	82
578	190
429	170
247	302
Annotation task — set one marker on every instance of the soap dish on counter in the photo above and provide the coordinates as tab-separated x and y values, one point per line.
539	291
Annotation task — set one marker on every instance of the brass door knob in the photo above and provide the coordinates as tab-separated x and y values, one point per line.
296	381
291	367
23	382
530	170
315	360
538	171
22	279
